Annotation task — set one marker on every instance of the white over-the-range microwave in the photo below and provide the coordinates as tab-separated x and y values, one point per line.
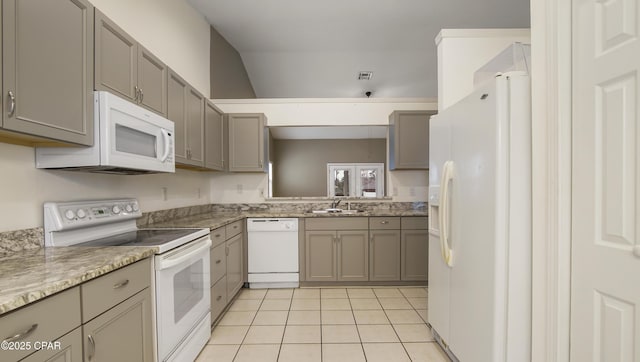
128	139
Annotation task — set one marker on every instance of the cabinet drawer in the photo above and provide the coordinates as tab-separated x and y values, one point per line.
337	223
106	291
234	229
70	349
384	223
45	320
415	222
218	298
218	236
218	263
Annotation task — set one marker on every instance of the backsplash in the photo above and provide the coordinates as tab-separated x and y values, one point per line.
17	240
170	214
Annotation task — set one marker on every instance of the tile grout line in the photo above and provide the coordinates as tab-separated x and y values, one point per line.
356	324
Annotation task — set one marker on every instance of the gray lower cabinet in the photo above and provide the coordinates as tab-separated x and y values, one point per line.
384	255
47	64
247	147
127	69
353	251
234	265
414	249
45	320
186	109
409	140
122	333
69	350
226	266
320	256
337	249
214	152
116	315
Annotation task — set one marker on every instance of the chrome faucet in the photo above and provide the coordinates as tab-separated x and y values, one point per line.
335	203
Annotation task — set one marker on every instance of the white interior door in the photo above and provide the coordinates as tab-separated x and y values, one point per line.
605	270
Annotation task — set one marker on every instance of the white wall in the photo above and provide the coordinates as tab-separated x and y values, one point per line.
325	111
23	188
462	51
170	29
246	188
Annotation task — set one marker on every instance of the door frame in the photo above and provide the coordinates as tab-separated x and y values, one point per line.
551	170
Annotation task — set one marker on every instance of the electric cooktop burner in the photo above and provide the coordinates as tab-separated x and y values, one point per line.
142	237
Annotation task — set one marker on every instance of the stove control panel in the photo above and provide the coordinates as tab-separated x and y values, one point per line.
60	216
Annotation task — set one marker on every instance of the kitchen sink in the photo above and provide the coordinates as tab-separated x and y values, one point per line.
335	211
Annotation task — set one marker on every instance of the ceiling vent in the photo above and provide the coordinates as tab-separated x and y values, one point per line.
365	75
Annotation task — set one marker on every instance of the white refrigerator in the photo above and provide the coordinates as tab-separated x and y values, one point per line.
480	223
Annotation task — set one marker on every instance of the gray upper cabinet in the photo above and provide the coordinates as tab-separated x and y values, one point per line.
213	137
152	81
124	67
247	146
409	140
186	109
47	63
115	59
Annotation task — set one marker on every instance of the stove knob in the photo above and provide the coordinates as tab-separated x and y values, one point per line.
69	214
115	209
128	208
81	214
136	208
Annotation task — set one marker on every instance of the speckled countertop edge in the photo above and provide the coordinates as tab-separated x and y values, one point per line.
30	275
214	220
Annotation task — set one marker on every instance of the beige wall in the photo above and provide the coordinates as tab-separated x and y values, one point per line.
170	29
229	77
462	51
24	189
300	166
245	188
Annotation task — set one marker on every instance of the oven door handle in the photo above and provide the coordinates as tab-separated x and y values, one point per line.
184	254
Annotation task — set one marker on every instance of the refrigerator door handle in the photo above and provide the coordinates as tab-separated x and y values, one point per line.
447	178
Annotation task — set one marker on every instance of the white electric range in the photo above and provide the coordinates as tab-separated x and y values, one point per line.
182	302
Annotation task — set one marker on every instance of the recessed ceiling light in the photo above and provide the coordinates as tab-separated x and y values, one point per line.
365	75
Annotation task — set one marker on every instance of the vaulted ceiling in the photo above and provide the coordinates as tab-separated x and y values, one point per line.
315	49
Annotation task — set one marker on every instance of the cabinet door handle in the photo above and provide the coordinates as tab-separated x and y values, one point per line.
218	298
141	95
12	104
136	96
226	250
21	335
217	235
92	344
384	222
121	284
218	261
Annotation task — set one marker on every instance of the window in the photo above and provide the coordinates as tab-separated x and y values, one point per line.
355	179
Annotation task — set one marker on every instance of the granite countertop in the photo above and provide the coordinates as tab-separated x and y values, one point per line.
215	220
30	275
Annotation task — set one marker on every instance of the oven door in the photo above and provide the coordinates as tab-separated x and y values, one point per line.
133	137
182	293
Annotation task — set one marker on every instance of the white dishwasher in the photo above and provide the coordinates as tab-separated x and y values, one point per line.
273	252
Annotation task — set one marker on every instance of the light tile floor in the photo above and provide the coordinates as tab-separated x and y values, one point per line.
325	325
